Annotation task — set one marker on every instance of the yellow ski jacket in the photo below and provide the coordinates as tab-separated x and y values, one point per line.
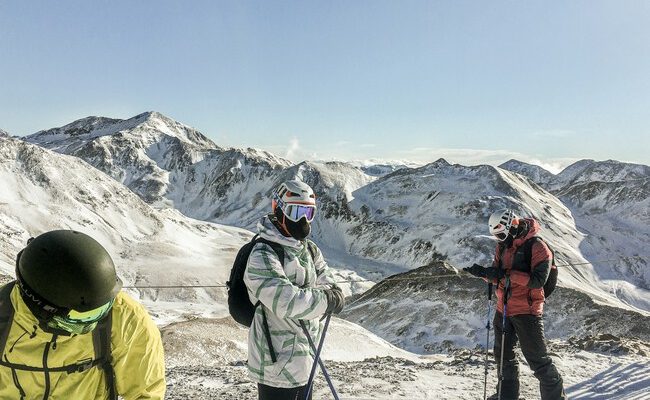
137	354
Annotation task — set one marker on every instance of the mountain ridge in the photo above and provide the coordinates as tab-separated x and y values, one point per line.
388	223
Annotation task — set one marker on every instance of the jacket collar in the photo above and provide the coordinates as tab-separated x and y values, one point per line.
268	231
533	229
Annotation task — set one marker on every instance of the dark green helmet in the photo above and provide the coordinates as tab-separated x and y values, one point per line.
68	269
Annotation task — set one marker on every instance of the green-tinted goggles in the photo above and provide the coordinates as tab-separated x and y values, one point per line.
80	322
93	315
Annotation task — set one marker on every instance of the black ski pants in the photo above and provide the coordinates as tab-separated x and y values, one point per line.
529	330
272	393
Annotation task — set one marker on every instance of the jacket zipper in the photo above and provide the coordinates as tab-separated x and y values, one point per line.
46	371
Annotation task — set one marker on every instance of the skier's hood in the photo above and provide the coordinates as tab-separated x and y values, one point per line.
533	229
268	231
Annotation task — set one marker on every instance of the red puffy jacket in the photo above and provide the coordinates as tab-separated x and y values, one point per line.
526	288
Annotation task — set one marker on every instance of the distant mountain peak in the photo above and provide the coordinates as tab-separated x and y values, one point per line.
80	127
603	171
537	174
4	133
441	162
514	163
153	116
150	125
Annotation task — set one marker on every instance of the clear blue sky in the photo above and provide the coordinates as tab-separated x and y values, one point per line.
475	81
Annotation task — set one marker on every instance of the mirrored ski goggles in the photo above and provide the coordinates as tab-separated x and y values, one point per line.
93	315
80	322
296	211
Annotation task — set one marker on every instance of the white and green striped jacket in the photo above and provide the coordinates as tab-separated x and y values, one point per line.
288	293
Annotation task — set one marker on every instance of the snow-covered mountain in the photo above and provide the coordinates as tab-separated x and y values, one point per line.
168	163
535	173
139	152
44	190
394	222
609	201
4	133
601	171
375	226
151	247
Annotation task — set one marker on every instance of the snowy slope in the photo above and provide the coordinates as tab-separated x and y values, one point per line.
434	308
151	246
45	190
602	367
609	201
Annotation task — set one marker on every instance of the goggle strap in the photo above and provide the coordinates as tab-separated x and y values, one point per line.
37	303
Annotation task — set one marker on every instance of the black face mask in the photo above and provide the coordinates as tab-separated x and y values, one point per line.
298	230
520	231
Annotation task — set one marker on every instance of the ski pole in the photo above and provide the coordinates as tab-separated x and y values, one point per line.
487	340
503	333
320	361
310	382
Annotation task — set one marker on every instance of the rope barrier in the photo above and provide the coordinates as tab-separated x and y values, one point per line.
395	278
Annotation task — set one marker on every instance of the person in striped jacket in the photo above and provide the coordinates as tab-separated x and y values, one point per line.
299	287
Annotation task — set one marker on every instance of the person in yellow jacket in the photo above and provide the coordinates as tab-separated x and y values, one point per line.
68	332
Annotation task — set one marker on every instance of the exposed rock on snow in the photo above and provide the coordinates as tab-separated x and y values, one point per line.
434	308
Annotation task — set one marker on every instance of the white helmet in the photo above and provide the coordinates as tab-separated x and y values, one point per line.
500	223
296	199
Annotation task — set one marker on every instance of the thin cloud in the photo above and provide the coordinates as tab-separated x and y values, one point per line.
480	156
294	147
554	133
422	155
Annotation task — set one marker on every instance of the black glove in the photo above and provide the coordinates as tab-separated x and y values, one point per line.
490	273
335	300
493	273
476	270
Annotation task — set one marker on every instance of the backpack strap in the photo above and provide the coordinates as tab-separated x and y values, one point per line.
6	314
267	334
277	247
551	279
528	251
102	346
311	246
501	249
279	251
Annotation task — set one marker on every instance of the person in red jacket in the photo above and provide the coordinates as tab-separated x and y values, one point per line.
522	286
